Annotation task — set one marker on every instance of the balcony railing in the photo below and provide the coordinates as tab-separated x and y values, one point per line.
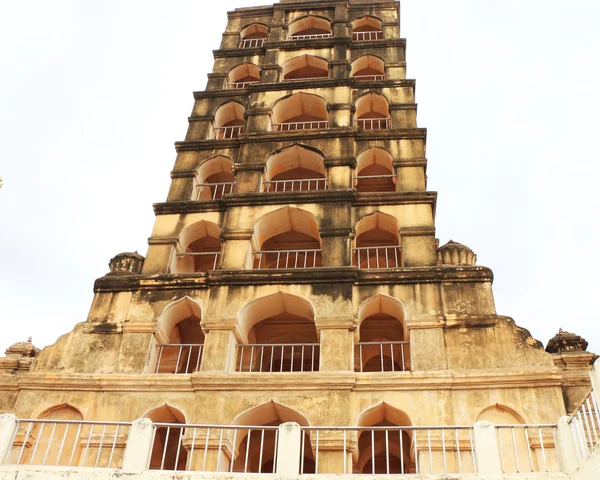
214	448
225	133
179	358
310	36
243	84
269	358
433	450
217	189
300	185
388	356
286	126
374	123
369	78
377	257
252	42
528	448
68	443
279	259
208	260
362	36
585	427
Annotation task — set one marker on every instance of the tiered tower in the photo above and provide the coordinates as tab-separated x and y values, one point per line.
293	274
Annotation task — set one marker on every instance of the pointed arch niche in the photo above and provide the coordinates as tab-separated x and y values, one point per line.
281	335
309	26
180	339
300	111
377	243
214	178
229	120
286	238
368	68
253	35
243	75
168	452
375	171
200	245
383	339
373	112
373	458
367	28
248	445
295	169
304	67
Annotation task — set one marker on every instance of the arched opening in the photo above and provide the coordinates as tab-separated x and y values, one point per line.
168	452
282	336
372	112
229	120
201	248
251	443
377	242
287	238
521	446
244	75
383	337
375	171
368	68
300	111
305	66
367	28
214	178
253	35
46	442
385	447
180	326
310	26
295	169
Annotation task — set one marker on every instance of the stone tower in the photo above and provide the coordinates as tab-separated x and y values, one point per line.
293	275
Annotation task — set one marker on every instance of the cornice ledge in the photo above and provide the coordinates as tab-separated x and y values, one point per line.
206	381
285	198
412	275
275	277
395	198
169	208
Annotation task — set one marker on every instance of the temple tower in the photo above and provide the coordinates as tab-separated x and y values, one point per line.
293	275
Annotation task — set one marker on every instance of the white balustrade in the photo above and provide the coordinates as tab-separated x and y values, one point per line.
269	358
585	426
374	123
362	36
382	356
279	259
377	257
208	260
226	133
528	448
287	126
368	78
179	358
300	185
217	189
310	36
252	42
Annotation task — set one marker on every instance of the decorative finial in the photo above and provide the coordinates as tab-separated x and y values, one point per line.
30	340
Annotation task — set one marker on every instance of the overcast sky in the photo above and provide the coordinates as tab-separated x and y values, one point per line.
93	95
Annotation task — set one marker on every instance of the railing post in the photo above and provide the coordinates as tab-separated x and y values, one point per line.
8	428
595	377
288	450
567	452
139	446
486	448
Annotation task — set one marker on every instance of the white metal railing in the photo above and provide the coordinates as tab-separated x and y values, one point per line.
217	189
312	35
243	84
528	448
214	448
179	358
585	427
209	260
287	357
390	450
374	123
382	356
300	185
306	78
224	133
377	257
278	259
361	36
68	443
366	78
286	126
252	42
358	178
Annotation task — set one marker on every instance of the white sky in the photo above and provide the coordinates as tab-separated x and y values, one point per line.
93	95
